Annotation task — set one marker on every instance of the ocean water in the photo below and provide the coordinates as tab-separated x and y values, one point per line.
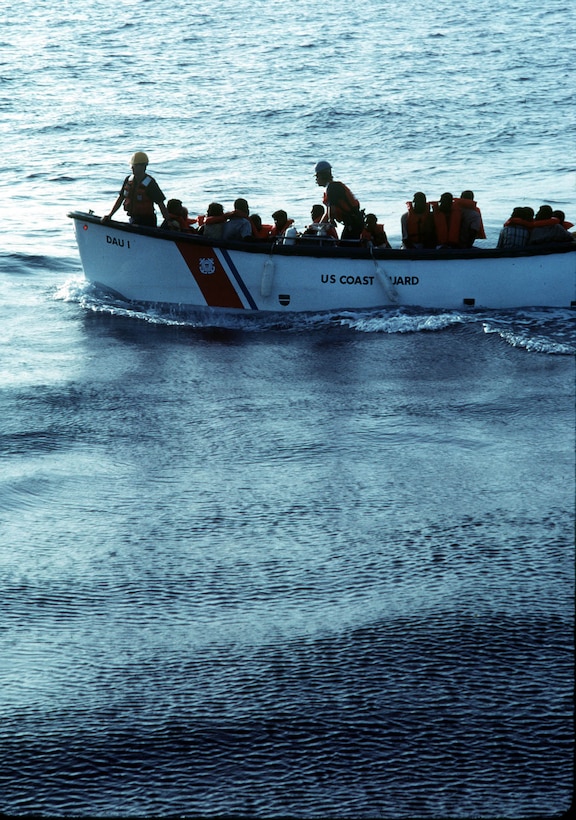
304	567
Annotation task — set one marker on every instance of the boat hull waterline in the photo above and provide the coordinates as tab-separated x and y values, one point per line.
152	266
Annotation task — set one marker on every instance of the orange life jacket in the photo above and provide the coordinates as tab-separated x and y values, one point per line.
203	221
136	201
469	203
263	232
274	231
447	225
211	220
322	230
420	227
532	223
377	236
181	221
346	207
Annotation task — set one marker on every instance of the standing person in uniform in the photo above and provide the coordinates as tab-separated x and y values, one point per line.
341	204
139	193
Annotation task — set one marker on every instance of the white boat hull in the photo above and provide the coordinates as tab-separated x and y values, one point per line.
150	266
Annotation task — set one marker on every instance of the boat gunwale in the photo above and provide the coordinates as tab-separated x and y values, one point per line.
329	251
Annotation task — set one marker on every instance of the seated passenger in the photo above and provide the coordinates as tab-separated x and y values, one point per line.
561	217
418	229
447	221
516	230
259	230
212	225
471	225
177	217
547	228
238	225
528	214
319	228
374	233
281	224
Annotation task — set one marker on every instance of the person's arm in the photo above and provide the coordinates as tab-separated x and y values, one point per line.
328	215
118	203
404	228
163	210
154	192
115	207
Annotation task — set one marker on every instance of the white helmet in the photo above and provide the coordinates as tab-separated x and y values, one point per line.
139	158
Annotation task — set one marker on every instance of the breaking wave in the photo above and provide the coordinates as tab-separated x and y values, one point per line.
539	330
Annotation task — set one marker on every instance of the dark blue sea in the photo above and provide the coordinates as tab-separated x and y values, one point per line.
299	567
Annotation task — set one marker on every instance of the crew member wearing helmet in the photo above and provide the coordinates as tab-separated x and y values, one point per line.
341	204
139	193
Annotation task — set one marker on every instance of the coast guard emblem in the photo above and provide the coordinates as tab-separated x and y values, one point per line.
207	266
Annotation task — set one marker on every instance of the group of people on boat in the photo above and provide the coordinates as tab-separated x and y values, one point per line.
526	228
140	194
450	222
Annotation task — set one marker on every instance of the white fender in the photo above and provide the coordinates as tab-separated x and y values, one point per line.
267	277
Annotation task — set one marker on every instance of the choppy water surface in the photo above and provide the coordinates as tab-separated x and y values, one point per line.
309	567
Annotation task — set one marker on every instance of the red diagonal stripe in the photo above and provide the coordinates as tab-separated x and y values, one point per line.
217	289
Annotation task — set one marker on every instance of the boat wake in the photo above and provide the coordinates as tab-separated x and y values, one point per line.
542	330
